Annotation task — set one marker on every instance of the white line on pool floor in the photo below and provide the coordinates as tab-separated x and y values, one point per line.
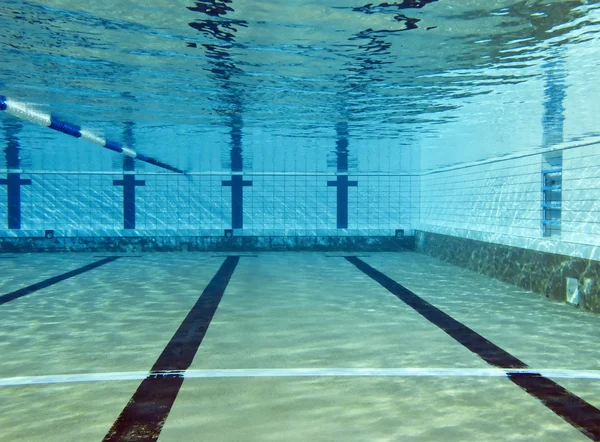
296	372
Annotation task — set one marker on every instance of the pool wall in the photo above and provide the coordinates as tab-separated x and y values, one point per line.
88	205
541	272
253	188
207	244
500	201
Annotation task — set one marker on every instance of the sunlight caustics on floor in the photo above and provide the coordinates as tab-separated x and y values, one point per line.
301	346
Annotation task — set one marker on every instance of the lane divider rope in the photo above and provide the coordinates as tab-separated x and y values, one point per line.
26	112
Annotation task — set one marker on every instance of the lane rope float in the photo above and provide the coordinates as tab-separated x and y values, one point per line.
26	112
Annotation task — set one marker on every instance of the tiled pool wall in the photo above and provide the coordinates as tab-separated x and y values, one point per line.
487	218
501	202
317	191
82	205
186	208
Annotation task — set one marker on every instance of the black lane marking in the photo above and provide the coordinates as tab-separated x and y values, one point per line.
583	416
120	256
55	279
580	414
8	257
485	349
144	416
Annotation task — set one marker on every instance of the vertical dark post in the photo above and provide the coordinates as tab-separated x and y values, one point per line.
237	182
13	180
128	182
342	183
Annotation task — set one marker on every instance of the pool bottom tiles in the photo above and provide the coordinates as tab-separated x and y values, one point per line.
282	311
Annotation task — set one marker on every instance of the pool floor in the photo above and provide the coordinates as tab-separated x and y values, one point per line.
292	346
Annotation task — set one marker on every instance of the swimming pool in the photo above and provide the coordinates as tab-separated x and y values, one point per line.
311	220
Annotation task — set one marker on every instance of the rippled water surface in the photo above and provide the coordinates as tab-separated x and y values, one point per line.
293	68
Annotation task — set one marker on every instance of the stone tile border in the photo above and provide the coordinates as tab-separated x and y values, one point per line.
207	244
541	272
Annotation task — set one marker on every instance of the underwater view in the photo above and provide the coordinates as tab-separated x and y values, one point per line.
235	220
